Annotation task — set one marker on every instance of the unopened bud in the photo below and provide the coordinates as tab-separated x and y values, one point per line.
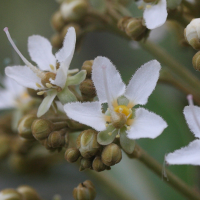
73	9
87	143
98	165
56	41
72	155
87	89
24	127
57	21
5	146
57	138
119	120
84	191
196	61
10	194
87	65
192	33
65	30
111	154
28	193
86	163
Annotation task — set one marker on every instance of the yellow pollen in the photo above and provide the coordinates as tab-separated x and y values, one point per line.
52	67
49	85
117	136
110	133
125	110
148	6
38	85
40	93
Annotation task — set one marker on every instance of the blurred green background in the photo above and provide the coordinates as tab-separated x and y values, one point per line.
25	18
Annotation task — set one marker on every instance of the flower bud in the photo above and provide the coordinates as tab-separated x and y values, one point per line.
73	9
111	154
98	165
65	30
10	194
87	143
87	65
196	61
24	127
72	155
41	128
87	89
86	163
66	139
119	121
192	33
28	193
5	146
57	21
84	191
56	41
57	138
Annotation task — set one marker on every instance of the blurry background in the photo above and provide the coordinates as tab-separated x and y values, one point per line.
25	18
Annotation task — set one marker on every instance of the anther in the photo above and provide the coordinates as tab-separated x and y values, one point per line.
52	67
49	85
40	93
38	85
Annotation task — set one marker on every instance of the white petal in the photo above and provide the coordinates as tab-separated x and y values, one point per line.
188	155
192	116
155	15
7	99
146	125
88	113
115	85
24	76
40	50
143	83
60	79
65	54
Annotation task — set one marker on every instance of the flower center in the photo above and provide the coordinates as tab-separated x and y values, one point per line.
124	110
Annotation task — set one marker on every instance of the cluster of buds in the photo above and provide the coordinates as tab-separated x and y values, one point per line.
93	155
85	190
21	193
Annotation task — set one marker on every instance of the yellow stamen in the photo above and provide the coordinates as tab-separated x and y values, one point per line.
148	6
40	93
110	133
125	110
118	136
52	67
38	85
49	85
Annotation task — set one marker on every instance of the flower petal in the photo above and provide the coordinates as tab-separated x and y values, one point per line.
40	50
60	79
192	116
24	76
88	113
46	103
155	15
115	85
146	125
7	99
65	54
188	155
143	82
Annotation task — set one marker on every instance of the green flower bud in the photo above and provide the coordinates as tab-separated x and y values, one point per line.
196	61
84	191
57	21
57	138
98	165
87	65
10	194
87	143
28	193
87	89
41	128
24	127
56	41
86	163
72	155
111	154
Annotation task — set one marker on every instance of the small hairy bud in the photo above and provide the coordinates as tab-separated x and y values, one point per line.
24	127
111	154
87	143
98	165
57	21
57	139
72	155
41	128
84	191
87	65
192	33
86	163
119	121
28	193
10	194
87	89
196	61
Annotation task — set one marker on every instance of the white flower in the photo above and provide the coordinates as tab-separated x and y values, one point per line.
48	77
120	117
190	154
155	14
12	95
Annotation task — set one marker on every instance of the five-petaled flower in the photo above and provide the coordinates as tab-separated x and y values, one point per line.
52	76
155	13
120	119
190	154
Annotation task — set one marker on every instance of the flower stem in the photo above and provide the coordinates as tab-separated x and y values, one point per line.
171	179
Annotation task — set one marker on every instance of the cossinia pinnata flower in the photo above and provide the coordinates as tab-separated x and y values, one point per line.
53	75
155	13
190	154
120	119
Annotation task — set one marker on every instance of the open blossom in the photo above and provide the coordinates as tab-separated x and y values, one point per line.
155	13
120	119
52	74
188	155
